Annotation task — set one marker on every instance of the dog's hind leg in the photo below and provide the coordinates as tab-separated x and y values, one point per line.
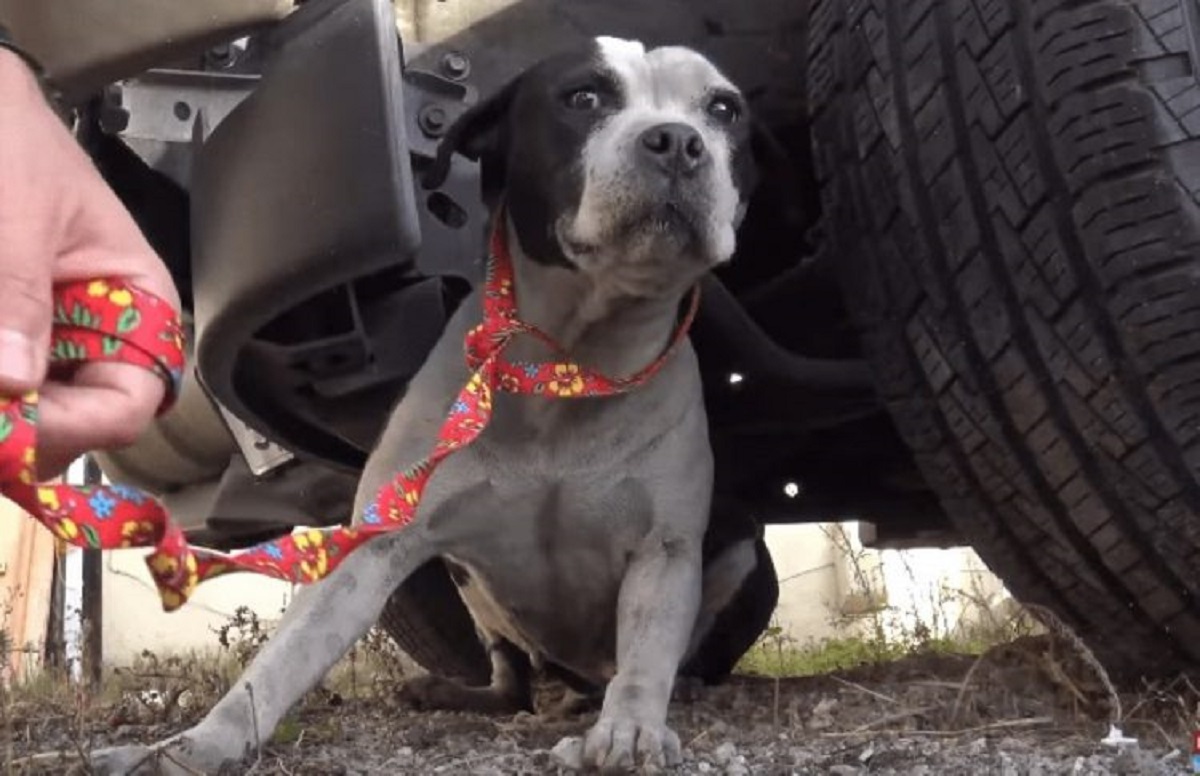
510	691
320	626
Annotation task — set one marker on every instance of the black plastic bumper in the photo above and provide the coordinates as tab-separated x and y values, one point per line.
322	274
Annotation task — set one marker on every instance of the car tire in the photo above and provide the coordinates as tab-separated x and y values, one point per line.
1012	190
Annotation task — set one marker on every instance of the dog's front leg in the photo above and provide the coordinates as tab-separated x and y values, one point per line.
320	626
657	608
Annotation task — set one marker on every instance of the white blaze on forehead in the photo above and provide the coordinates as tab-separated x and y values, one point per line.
671	84
669	76
619	53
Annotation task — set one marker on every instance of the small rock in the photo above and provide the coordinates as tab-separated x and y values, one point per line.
737	769
821	716
568	753
1134	759
725	753
978	746
704	766
843	770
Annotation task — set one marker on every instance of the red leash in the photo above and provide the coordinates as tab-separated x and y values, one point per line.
113	321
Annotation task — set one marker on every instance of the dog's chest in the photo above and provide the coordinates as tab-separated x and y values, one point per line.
541	553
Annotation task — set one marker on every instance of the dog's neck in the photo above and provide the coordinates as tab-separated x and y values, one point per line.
598	326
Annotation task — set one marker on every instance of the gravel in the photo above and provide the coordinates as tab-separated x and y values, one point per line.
1008	714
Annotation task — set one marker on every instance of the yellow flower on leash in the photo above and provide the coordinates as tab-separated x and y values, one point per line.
48	498
411	496
98	288
121	297
163	565
317	567
309	539
27	470
66	529
567	380
135	530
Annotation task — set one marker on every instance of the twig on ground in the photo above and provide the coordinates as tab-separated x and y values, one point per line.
169	756
776	700
936	684
457	764
875	723
43	758
83	756
1001	725
962	688
862	689
254	724
1061	628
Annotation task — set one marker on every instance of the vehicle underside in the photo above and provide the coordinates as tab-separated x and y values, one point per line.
937	322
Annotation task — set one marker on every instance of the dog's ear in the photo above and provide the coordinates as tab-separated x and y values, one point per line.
477	134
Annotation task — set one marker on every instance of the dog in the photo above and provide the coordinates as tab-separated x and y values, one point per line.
573	526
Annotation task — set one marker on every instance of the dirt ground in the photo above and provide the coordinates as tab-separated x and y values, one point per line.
1020	709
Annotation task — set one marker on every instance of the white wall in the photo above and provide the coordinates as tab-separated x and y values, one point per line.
826	575
816	583
134	619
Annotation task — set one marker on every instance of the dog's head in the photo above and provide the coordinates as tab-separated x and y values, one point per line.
621	162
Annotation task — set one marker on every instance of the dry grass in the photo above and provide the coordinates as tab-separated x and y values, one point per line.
1012	668
49	711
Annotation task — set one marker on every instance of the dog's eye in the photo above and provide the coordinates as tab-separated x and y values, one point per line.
724	109
586	98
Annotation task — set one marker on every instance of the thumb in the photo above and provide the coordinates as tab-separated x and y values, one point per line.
26	305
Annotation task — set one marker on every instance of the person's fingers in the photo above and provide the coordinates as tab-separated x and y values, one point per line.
31	214
102	240
26	305
105	406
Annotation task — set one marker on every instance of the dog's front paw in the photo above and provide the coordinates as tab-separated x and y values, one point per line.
182	755
618	744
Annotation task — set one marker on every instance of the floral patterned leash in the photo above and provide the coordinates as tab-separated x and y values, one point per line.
113	321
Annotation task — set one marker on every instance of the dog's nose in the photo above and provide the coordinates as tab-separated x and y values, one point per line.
675	148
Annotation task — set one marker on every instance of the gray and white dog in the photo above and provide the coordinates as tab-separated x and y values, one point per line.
574	525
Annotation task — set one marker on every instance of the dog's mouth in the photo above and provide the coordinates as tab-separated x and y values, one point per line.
669	224
669	217
669	220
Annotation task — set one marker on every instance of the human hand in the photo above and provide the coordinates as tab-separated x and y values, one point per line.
60	222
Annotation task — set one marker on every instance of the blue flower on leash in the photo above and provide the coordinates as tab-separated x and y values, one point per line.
371	514
126	493
102	504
